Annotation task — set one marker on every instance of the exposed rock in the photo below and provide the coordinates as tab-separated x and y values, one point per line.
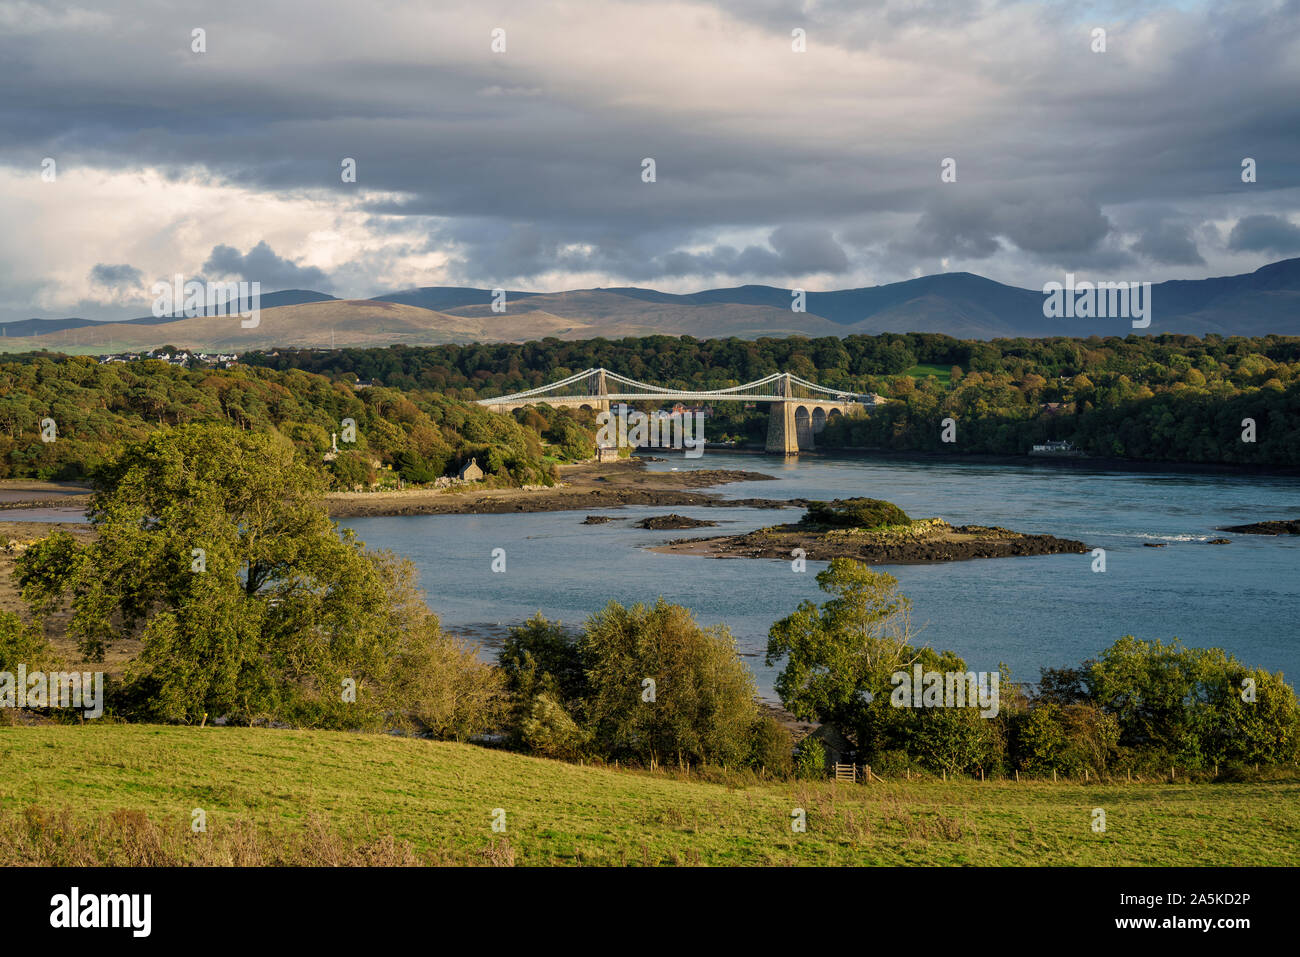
662	522
596	520
927	541
1284	526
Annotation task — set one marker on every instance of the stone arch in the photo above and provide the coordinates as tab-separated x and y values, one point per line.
803	427
818	419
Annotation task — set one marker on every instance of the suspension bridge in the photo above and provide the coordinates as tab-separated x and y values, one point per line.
799	408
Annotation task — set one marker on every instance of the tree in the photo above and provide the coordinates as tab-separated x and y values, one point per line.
21	644
700	705
845	650
214	549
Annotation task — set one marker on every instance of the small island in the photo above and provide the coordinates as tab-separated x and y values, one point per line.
876	532
1285	526
673	521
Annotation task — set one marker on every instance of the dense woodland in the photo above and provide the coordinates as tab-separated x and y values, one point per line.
1158	398
417	435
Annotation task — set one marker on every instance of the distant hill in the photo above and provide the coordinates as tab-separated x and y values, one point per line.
444	298
962	305
39	327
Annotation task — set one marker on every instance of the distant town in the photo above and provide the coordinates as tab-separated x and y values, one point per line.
175	357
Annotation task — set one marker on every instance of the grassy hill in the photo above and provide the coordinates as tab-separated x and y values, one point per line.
104	793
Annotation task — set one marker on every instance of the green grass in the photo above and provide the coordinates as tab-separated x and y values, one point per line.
942	373
440	797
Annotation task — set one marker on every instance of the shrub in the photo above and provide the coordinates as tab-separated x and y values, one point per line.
772	747
22	644
703	707
810	761
855	513
549	730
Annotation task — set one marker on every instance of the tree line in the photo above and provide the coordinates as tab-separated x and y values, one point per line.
65	417
1174	398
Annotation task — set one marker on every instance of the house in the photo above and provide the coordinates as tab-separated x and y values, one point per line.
470	472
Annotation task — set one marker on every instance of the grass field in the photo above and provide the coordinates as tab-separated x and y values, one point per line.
942	373
433	802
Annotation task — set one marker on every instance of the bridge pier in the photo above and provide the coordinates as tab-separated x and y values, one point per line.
782	432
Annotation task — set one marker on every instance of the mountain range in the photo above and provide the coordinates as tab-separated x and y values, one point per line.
962	304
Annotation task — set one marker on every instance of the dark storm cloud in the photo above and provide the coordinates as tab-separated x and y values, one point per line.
530	162
261	264
1265	233
1051	229
122	275
523	251
1169	243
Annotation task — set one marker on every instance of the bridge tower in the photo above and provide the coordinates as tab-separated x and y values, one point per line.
783	431
599	388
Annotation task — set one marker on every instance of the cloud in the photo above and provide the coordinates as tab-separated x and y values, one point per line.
477	168
261	264
120	276
1169	243
1267	233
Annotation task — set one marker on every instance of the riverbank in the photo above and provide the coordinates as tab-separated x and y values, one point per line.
33	493
588	486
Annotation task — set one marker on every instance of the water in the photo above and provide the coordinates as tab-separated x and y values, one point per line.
1027	612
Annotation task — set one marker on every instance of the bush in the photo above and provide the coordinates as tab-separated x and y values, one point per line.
22	644
772	748
810	761
412	467
549	730
1065	738
855	513
703	706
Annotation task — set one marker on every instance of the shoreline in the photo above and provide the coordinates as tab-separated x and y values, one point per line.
588	486
1085	463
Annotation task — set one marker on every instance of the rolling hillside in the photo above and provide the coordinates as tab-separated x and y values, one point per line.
339	798
962	305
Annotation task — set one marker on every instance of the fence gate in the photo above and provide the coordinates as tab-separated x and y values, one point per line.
846	772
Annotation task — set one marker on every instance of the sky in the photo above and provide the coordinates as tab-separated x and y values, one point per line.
128	156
